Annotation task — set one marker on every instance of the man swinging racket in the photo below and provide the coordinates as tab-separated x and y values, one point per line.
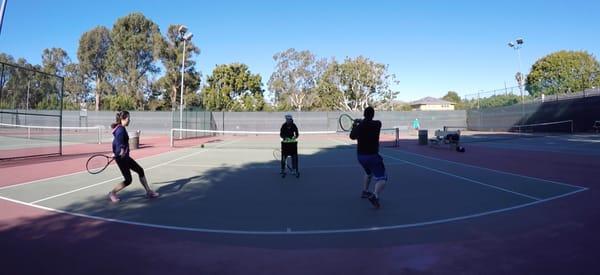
366	131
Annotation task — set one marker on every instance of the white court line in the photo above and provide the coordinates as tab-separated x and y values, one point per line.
466	179
115	178
574	137
277	166
71	174
493	170
289	231
109	180
342	142
218	146
83	171
307	232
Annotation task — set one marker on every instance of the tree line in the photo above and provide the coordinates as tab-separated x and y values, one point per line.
563	72
134	66
120	68
560	72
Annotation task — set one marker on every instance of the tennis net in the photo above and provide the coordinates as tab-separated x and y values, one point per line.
565	126
515	132
270	139
52	133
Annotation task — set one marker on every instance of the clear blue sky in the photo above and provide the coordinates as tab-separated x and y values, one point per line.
432	46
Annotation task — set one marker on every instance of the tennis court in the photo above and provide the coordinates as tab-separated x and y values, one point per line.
237	190
221	195
300	138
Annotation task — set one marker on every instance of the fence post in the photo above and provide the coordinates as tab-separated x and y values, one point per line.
1	82
572	126
60	137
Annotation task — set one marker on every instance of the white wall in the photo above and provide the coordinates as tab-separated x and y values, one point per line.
439	107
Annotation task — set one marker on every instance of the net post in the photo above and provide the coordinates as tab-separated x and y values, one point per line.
171	137
60	130
397	140
572	131
99	135
1	81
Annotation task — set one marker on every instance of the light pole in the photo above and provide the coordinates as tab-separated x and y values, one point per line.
27	102
516	45
2	10
184	36
391	100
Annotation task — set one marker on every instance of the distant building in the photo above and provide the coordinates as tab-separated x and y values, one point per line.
432	104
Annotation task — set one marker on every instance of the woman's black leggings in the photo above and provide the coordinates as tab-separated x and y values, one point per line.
127	164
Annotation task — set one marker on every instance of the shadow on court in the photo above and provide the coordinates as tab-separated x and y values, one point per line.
240	192
229	189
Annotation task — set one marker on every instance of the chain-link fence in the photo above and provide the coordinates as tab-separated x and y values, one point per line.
583	112
512	95
328	121
30	112
193	119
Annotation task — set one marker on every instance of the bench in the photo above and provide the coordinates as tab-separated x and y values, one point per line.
450	138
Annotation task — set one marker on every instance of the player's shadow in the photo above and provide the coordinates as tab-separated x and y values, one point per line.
169	187
248	196
164	188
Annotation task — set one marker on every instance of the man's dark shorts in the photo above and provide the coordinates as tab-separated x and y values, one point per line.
373	166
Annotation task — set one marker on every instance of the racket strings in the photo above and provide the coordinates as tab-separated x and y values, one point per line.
346	122
97	163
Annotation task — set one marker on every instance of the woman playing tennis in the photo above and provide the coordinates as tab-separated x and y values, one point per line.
120	147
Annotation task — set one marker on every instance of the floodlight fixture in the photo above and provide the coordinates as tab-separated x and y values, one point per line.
182	30
520	41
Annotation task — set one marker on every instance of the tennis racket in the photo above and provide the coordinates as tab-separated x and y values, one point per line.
277	157
347	122
97	163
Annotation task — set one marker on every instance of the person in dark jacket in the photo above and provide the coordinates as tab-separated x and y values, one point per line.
367	131
289	144
120	148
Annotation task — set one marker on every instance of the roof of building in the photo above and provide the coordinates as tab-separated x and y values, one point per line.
430	101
